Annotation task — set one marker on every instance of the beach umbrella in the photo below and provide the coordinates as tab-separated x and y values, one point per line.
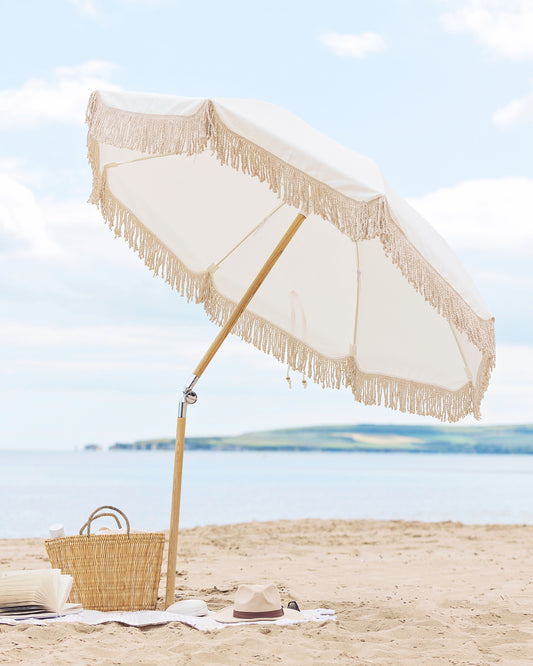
357	291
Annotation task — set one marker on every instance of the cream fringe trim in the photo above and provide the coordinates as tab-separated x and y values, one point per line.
358	220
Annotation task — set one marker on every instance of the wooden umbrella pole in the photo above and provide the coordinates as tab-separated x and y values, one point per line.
189	398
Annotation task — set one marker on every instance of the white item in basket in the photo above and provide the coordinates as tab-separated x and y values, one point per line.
56	531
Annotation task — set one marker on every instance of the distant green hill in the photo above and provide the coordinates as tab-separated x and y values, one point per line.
365	437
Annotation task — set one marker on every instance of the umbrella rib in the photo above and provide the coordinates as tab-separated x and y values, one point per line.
113	165
249	294
468	372
213	267
356	319
217	264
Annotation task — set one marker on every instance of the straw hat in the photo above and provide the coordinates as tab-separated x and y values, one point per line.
256	602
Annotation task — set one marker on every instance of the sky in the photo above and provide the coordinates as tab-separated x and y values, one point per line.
93	348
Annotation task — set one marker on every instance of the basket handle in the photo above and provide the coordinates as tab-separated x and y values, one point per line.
95	514
101	515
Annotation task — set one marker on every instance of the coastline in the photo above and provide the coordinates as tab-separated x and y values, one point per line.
360	438
404	592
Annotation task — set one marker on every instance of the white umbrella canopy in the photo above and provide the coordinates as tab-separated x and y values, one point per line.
353	288
367	295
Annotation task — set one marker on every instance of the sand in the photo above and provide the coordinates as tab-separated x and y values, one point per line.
404	592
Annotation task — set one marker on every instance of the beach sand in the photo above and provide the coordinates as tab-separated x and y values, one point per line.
404	592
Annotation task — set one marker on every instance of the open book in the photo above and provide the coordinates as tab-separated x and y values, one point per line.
36	592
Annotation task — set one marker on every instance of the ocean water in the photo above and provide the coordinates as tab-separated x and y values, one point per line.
40	488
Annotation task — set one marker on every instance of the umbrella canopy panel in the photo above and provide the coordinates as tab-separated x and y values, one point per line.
355	300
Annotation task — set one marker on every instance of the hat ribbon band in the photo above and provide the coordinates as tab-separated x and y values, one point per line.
246	615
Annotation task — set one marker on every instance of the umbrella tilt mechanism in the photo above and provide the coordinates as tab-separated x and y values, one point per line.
189	397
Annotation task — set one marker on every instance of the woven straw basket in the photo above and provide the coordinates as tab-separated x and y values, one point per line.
110	571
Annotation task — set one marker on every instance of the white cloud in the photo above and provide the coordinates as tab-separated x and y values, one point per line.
353	46
22	223
33	227
510	394
61	97
96	9
86	7
504	26
97	348
16	168
499	277
516	112
145	345
489	213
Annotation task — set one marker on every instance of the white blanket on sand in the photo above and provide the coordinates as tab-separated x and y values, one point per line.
147	618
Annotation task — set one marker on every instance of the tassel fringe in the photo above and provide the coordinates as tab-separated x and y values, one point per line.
358	220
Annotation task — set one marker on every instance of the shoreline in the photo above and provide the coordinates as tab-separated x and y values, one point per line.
404	592
36	541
